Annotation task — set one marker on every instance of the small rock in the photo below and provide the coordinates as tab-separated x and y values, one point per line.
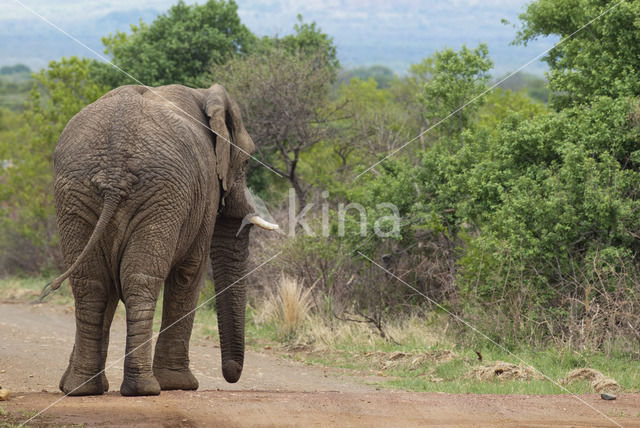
4	394
606	396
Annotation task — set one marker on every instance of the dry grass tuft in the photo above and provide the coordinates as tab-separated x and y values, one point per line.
582	374
599	382
503	371
289	307
386	360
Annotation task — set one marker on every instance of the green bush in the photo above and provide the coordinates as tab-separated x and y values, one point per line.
28	239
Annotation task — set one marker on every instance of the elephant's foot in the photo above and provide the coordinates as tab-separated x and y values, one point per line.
105	382
140	385
75	385
176	379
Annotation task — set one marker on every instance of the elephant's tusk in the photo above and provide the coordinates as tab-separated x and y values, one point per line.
262	223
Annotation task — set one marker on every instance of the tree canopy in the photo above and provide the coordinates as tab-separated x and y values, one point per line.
179	46
601	59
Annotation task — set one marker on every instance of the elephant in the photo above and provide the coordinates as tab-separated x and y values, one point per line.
150	184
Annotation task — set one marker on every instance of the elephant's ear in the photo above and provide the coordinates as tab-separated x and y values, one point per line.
232	142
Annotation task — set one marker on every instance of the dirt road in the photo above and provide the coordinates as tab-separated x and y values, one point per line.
35	342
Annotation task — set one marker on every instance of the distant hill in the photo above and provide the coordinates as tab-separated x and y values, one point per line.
15	84
14	69
381	74
395	34
535	86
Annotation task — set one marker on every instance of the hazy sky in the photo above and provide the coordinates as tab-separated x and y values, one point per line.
366	32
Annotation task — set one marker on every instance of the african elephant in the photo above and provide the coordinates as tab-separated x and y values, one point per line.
144	193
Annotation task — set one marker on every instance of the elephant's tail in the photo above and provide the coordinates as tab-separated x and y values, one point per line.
111	202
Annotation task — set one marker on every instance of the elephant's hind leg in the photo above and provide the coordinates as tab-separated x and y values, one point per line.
171	357
112	304
143	269
140	292
84	373
91	287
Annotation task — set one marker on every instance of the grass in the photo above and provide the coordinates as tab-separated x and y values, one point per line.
15	420
423	357
554	363
29	289
426	356
289	307
382	366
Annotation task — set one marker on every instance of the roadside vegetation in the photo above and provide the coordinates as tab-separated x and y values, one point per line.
519	214
420	353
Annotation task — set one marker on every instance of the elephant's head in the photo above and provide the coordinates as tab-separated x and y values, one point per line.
229	249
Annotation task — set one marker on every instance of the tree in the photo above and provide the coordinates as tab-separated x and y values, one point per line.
374	121
179	46
309	40
27	230
455	78
283	91
601	59
284	99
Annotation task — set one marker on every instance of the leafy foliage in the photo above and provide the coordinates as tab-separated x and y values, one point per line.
455	79
27	232
514	204
602	59
283	89
177	47
307	40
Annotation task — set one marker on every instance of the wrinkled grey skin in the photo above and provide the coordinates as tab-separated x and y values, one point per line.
145	195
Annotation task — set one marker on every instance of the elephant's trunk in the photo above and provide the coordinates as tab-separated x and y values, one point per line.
229	259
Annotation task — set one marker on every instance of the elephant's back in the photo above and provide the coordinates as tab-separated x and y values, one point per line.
135	137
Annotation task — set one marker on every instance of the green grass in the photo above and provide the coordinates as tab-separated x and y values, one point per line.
16	419
20	415
28	289
451	376
360	349
553	363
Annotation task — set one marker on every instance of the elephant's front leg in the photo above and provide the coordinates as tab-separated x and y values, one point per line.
140	293
83	375
181	290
